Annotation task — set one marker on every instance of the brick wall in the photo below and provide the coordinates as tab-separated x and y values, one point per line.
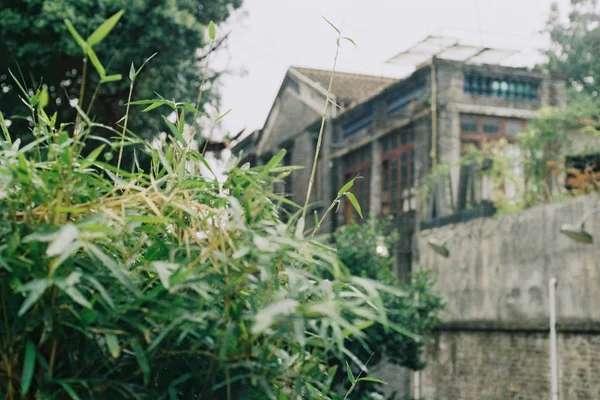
510	365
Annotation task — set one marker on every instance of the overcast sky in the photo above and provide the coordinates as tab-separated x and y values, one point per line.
268	36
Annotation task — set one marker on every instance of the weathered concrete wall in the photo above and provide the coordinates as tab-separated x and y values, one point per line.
493	341
510	365
499	267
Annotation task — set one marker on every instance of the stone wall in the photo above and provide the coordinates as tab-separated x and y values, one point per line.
493	341
490	365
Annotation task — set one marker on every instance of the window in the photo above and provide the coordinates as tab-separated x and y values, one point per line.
474	130
358	124
491	127
510	88
468	125
358	164
403	99
398	172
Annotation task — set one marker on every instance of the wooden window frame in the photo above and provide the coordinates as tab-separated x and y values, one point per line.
479	138
404	186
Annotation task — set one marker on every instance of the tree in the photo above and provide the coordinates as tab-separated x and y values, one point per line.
36	46
575	44
365	250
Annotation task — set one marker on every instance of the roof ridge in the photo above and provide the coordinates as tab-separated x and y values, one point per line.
367	76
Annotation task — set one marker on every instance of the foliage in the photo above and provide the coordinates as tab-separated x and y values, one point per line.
365	250
551	135
32	34
575	44
534	164
176	282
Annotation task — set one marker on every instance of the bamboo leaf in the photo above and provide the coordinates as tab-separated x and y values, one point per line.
371	379
36	289
154	105
112	266
350	40
104	29
111	78
44	98
72	394
346	187
113	345
212	30
142	360
349	373
28	368
4	127
77	296
76	35
96	62
143	65
331	24
354	202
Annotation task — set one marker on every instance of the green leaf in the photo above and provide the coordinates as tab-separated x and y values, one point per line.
354	202
332	25
350	374
36	289
103	293
63	238
72	394
44	98
96	62
93	156
212	30
350	40
28	368
142	360
76	36
111	78
143	65
174	130
77	296
346	187
131	72
113	267
164	271
273	162
104	29
5	129
113	345
154	105
371	379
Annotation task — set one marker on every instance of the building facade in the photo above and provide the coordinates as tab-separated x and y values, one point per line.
390	134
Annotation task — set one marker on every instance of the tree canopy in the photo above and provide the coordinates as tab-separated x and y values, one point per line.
574	45
36	46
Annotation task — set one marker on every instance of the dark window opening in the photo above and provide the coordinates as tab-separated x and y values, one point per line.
582	172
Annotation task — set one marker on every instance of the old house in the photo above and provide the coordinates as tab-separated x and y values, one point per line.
392	132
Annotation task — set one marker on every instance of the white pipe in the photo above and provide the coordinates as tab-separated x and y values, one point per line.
417	385
553	344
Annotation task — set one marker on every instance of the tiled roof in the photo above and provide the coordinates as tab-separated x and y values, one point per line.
348	88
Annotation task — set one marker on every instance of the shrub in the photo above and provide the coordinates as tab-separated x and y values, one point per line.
177	282
366	250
